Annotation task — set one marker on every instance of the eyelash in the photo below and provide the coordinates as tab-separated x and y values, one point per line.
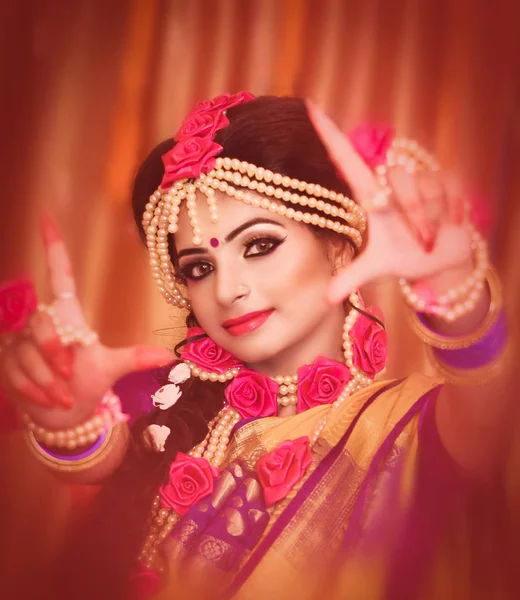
187	270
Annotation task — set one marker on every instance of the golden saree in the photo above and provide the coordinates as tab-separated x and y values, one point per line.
360	524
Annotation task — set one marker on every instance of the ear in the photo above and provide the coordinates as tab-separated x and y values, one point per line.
339	253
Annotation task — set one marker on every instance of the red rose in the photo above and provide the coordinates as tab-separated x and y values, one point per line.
321	382
207	355
189	158
372	143
17	301
253	394
280	470
202	124
190	480
369	342
223	102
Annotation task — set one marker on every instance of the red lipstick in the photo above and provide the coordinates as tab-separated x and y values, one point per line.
247	323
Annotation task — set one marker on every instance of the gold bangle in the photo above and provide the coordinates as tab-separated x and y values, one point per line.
74	466
457	343
472	377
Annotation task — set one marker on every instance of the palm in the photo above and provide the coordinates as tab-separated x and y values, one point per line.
96	367
394	248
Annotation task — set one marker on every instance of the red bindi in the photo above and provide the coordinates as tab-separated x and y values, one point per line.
214	242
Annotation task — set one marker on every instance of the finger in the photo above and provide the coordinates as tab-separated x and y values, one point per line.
18	383
136	358
362	270
434	196
343	155
38	372
58	262
407	198
60	358
455	195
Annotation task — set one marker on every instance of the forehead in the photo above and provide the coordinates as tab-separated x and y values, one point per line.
231	214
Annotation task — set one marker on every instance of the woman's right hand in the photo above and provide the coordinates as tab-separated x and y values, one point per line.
60	386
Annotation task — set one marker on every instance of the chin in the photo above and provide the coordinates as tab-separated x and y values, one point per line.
253	348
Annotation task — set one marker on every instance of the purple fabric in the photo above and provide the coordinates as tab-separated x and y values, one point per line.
73	457
204	522
135	391
481	353
284	519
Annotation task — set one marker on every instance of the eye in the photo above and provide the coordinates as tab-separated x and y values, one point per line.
260	246
196	270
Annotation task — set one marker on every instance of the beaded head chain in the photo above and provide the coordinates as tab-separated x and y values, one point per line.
195	164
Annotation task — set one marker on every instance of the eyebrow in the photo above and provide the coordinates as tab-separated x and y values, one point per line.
231	235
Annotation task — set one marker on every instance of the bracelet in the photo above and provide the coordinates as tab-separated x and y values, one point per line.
444	342
108	413
469	290
78	462
472	376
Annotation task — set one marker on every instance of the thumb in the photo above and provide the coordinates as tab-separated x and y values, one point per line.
358	273
137	358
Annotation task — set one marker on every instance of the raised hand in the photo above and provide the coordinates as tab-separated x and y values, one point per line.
418	235
60	385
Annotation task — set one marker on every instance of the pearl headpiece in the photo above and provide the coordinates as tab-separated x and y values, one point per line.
192	168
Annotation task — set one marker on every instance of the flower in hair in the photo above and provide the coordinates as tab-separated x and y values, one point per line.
188	159
223	102
372	143
202	124
206	354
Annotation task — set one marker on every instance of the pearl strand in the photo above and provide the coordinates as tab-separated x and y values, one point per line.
470	289
213	449
68	334
212	375
160	218
287	390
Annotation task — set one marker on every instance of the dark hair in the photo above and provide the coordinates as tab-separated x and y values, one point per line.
271	132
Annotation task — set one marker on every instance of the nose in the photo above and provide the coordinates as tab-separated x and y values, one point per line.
230	287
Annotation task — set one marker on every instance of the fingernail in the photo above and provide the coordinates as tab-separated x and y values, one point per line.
50	232
427	239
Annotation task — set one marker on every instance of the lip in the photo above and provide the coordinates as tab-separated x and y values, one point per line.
247	323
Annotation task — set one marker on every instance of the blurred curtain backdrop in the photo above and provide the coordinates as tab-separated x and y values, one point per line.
90	87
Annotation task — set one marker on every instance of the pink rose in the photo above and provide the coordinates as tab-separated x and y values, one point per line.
321	382
17	301
280	470
189	158
202	124
253	394
369	343
372	143
190	480
223	102
207	355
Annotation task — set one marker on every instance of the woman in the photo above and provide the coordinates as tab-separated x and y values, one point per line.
270	459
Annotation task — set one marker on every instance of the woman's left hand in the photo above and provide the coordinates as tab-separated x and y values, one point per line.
419	235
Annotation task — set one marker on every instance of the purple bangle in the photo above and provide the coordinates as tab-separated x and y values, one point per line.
73	457
486	350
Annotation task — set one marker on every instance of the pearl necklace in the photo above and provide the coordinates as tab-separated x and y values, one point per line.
213	448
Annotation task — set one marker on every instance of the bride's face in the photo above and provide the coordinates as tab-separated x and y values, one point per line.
257	283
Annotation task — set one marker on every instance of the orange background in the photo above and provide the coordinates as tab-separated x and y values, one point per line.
89	87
